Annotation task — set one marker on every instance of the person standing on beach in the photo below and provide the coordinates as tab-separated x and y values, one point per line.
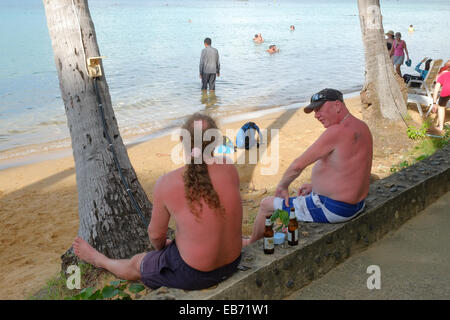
203	198
209	66
340	177
439	105
398	50
390	41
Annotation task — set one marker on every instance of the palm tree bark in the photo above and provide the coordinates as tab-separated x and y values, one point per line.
382	90
108	221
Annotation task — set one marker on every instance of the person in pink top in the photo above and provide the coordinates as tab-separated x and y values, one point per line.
398	49
443	81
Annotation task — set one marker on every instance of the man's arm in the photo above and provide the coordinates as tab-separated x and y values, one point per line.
435	95
325	144
218	64
157	229
406	50
418	66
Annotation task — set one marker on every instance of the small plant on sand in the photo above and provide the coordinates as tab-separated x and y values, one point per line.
116	290
418	133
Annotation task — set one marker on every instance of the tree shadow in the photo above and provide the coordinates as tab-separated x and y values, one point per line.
247	170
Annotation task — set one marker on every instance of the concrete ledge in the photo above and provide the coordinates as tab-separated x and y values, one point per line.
391	202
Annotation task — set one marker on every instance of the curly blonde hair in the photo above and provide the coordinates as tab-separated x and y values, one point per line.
197	182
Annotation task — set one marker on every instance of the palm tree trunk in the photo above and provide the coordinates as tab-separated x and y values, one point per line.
108	220
381	88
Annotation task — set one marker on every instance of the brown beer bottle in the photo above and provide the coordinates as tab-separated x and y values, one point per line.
292	229
269	246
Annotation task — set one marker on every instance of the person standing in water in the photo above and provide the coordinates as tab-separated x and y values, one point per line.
209	66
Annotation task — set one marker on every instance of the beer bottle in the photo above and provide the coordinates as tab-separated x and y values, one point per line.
269	246
292	229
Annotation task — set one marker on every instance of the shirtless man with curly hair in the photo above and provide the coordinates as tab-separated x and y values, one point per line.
203	198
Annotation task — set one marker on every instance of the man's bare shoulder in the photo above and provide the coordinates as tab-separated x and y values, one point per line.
169	177
331	134
224	168
223	164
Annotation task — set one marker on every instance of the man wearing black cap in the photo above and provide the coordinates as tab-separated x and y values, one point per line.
340	178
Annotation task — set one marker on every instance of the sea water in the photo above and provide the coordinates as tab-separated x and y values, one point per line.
152	51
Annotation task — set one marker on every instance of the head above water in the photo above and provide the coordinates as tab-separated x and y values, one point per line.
319	98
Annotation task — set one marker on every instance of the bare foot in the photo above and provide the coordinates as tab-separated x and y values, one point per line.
85	252
439	130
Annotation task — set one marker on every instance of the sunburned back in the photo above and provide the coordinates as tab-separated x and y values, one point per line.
344	174
210	240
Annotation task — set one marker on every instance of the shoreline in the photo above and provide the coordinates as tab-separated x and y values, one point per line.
62	148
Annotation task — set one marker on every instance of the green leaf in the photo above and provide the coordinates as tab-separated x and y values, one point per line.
115	283
109	292
136	287
124	295
86	293
421	157
275	215
96	296
284	217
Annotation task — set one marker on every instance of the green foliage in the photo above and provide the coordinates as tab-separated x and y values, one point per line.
418	133
282	215
445	140
136	288
114	291
426	147
400	166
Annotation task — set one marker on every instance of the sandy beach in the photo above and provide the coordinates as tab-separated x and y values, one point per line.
38	202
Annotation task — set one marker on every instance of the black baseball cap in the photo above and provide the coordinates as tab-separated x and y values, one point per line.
319	98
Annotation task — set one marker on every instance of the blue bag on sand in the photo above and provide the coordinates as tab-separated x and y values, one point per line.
245	137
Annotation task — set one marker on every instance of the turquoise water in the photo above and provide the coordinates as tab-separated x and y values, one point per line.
153	52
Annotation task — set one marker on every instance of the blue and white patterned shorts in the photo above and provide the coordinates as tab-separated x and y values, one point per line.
317	208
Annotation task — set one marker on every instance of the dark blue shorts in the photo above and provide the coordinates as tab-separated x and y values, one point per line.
166	268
